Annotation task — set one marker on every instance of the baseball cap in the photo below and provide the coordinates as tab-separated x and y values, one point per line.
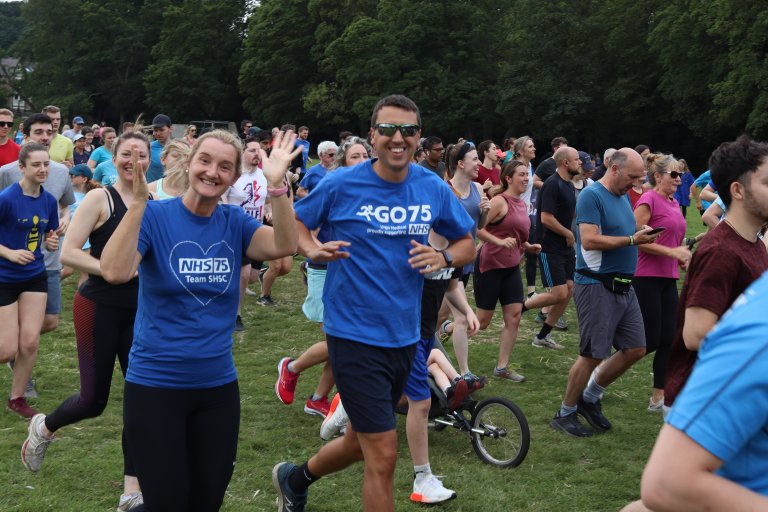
78	120
161	120
586	161
81	170
77	137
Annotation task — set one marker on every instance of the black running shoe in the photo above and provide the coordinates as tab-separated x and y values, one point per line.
593	413
569	424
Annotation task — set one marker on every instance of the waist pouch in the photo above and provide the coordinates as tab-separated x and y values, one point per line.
620	284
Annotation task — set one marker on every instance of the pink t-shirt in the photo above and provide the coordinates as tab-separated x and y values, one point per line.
664	213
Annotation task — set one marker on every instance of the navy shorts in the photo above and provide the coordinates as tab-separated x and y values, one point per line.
9	292
556	269
371	380
417	387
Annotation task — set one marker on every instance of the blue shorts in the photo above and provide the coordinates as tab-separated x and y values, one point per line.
53	305
417	387
313	304
371	381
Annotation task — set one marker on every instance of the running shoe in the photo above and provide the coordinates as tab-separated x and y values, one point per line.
266	300
335	421
476	383
21	407
285	387
262	271
540	318
427	488
569	424
561	324
457	393
506	373
656	406
593	413
319	407
443	333
287	500
239	327
34	447
130	501
251	293
547	342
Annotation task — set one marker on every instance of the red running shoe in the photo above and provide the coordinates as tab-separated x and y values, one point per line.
21	407
285	386
319	407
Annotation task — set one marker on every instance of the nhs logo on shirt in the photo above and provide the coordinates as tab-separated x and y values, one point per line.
204	273
397	220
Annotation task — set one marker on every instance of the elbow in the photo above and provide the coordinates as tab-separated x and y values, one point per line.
113	275
66	257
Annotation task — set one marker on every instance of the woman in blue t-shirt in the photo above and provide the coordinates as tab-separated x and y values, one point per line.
28	218
181	394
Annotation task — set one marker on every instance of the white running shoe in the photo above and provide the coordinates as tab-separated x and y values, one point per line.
34	447
547	342
427	488
129	501
336	421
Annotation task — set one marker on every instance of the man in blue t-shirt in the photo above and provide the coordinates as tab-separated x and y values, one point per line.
326	151
716	431
302	141
161	132
608	312
379	213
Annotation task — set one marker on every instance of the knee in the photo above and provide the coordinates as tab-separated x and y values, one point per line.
95	408
29	343
634	354
50	323
419	408
485	322
560	293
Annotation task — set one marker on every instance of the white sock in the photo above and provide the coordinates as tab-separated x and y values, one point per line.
423	470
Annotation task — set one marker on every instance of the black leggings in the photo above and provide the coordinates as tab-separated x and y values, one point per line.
657	297
183	443
102	332
531	259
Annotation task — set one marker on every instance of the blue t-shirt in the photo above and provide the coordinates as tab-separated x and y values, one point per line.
188	295
101	154
156	169
374	296
304	153
24	221
724	405
613	216
313	177
683	192
105	173
701	182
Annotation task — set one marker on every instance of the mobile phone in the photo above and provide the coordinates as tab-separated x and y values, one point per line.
656	230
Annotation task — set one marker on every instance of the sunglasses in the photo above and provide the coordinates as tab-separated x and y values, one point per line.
674	174
6	124
406	130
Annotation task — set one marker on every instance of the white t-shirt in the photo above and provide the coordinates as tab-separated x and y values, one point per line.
250	193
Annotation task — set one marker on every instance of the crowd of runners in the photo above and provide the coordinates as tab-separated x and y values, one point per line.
168	236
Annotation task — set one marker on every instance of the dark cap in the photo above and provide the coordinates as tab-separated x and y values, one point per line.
161	120
81	170
78	120
586	161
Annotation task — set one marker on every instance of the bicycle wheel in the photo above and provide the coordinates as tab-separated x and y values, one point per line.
500	434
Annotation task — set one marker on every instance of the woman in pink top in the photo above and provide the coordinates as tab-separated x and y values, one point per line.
658	265
497	276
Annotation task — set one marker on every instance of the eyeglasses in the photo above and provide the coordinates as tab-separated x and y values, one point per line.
437	150
6	124
465	148
406	130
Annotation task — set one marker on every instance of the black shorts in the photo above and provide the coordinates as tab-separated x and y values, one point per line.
9	292
504	285
556	269
252	263
465	279
371	381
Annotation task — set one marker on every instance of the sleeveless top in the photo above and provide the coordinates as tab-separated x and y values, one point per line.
471	204
515	224
160	192
95	288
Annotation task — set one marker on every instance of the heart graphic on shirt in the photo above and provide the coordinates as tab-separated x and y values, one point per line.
204	273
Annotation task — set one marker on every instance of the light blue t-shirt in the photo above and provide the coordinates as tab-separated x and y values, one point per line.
701	182
101	154
188	295
613	216
724	405
156	169
105	173
374	296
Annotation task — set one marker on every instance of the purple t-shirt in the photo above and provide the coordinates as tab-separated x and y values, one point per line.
664	213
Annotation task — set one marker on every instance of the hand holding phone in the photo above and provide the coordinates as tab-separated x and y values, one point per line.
656	230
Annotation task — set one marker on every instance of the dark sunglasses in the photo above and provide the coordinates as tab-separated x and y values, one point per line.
674	174
465	148
406	130
6	124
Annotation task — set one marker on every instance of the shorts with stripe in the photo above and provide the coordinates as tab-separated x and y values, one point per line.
556	269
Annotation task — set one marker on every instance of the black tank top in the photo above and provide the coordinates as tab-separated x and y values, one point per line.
96	288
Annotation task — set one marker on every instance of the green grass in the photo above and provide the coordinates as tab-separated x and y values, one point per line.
83	469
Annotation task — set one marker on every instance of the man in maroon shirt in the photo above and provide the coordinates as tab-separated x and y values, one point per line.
730	256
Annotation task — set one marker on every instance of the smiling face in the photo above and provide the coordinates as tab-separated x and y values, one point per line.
212	169
518	181
123	157
35	169
394	152
666	184
470	164
6	122
327	158
529	150
355	154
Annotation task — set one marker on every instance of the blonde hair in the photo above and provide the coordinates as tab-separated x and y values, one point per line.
176	176
227	138
659	163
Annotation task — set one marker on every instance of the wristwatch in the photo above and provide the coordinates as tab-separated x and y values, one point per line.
448	258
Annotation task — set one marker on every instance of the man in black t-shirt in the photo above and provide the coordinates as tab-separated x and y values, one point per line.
548	167
434	156
557	207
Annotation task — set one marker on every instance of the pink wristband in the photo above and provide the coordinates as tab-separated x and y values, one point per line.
277	192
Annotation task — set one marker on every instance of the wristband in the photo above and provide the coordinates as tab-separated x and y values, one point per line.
277	192
631	240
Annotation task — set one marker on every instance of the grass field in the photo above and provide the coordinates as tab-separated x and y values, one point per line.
83	469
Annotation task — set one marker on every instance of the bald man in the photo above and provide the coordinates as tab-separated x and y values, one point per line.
609	315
